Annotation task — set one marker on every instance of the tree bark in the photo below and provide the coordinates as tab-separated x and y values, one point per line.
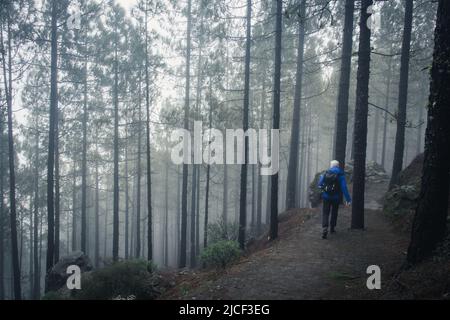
375	136
344	85
84	162
36	273
402	94
186	127
138	180
127	202
30	257
115	246
193	218
208	169
51	140
11	156
429	225
166	215
97	211
276	117
361	112
149	171
386	105
260	183
244	166
291	188
57	190
2	210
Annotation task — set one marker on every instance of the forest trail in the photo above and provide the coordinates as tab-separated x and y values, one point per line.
301	265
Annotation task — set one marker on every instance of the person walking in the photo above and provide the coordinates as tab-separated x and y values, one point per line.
333	186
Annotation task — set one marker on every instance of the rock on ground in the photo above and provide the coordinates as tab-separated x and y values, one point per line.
57	276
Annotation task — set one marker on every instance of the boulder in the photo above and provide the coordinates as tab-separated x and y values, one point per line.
403	198
57	276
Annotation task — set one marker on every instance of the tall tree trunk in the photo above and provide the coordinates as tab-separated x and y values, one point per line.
254	169
361	112
149	172
41	224
51	140
193	206
386	106
317	144
115	248
208	170
186	127
97	211
375	136
291	188
309	153
419	132
11	156
166	215
138	178
2	209
429	225
105	230
420	120
344	84
20	217
195	221
225	194
197	214
276	118
74	214
30	257
299	199
260	183
402	94
178	223
244	166
205	225
268	199
127	205
57	189
37	277
84	162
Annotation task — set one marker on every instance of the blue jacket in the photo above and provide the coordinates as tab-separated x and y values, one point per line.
342	183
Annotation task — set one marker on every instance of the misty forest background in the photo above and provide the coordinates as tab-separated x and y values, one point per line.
87	111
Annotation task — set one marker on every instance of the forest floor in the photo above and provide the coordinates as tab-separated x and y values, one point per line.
301	265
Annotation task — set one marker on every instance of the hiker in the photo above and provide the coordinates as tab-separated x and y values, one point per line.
333	186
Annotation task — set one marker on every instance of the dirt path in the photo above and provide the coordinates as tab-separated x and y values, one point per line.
301	265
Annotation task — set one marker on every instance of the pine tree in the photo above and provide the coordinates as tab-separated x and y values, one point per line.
361	112
402	94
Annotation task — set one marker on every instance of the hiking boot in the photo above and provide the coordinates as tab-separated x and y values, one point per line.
324	235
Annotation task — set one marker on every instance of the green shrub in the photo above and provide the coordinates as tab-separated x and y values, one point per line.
132	279
220	231
221	253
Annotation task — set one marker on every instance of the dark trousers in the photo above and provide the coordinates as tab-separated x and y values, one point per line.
328	206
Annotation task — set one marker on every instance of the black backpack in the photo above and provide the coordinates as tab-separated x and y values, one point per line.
330	183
